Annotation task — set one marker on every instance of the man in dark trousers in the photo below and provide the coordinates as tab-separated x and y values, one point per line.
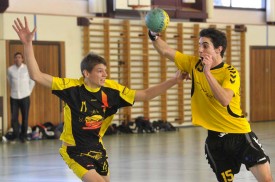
21	87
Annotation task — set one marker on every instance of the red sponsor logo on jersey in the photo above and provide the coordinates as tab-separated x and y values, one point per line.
93	122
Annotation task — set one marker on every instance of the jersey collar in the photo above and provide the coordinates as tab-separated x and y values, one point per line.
218	66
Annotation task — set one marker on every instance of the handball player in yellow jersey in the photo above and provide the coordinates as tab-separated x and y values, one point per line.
215	104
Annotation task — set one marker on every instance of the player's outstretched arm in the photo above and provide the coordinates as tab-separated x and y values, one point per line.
154	91
26	37
161	46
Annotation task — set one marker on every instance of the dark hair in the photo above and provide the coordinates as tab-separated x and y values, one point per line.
18	53
90	61
217	37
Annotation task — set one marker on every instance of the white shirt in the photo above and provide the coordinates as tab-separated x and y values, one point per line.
20	82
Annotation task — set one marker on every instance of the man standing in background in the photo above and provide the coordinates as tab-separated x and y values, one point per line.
21	87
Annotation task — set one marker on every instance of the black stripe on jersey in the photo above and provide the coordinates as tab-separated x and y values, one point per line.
199	65
193	86
233	72
230	67
232	81
233	114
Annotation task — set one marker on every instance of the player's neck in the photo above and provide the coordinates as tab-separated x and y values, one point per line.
217	61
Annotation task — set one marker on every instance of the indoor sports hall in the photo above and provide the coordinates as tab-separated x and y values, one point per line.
168	147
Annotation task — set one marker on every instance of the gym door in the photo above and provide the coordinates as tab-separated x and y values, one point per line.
44	105
262	87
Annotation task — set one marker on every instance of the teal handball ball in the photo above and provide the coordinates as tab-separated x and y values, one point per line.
157	20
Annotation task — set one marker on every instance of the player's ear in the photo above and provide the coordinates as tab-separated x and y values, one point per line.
219	49
85	73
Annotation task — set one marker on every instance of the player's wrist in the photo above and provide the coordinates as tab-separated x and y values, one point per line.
153	35
174	80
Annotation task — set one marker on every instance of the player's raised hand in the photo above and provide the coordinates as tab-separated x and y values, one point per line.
23	31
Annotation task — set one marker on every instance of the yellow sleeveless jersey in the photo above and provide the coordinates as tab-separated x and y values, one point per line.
88	112
206	110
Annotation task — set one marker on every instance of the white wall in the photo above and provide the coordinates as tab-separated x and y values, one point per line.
3	78
50	7
270	35
238	17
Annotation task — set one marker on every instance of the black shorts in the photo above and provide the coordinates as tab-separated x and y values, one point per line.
226	152
80	160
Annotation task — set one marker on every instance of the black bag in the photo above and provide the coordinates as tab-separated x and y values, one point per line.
43	131
124	127
10	136
144	125
161	125
112	129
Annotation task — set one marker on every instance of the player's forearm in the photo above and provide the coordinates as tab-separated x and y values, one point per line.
163	49
30	61
220	93
160	46
159	89
33	67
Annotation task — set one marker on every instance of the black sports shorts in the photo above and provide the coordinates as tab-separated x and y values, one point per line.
80	160
226	152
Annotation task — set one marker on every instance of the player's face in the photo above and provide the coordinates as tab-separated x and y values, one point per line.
97	76
206	47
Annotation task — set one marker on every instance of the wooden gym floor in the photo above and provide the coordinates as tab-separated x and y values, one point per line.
159	157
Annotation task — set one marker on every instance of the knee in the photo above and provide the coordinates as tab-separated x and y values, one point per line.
268	179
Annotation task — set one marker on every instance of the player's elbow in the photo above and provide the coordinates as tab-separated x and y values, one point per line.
225	103
36	76
33	77
148	95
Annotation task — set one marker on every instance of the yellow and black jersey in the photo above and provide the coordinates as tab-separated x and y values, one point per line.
206	110
88	112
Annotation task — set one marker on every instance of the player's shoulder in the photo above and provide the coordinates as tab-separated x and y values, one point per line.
111	83
230	68
231	72
114	85
181	55
69	82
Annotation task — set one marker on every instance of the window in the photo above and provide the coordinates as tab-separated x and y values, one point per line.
252	4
